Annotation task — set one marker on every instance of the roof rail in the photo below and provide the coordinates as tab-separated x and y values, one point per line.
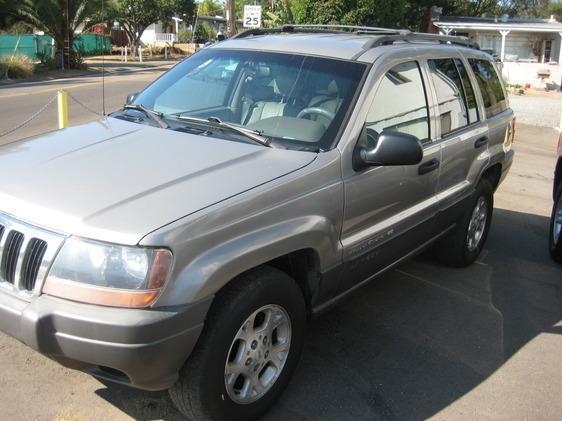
327	29
344	28
381	36
420	37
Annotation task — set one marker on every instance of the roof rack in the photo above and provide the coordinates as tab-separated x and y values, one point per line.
326	29
420	37
345	28
381	36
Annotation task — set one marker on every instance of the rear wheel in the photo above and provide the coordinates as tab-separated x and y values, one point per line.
463	245
247	352
555	242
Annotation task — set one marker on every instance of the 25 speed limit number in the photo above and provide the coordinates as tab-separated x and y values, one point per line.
252	16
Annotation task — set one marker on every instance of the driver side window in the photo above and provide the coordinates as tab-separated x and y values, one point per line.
400	103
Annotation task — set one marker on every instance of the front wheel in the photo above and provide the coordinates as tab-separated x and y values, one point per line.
248	350
555	241
463	245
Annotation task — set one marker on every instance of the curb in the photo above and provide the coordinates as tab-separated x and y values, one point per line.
96	72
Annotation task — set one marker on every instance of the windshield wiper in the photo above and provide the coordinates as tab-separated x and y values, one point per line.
154	115
216	122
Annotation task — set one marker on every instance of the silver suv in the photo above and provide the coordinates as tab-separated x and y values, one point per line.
183	242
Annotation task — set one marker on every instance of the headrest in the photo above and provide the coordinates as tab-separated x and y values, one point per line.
263	71
283	83
333	88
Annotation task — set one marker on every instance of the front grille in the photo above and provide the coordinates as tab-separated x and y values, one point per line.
12	248
32	262
26	253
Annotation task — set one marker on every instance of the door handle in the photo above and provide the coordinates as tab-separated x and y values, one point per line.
481	142
428	166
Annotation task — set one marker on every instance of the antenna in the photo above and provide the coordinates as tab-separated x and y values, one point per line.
103	65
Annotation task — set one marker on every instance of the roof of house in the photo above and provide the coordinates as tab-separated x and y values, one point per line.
499	23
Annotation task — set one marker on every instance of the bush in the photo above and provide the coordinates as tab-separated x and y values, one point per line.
184	36
16	67
206	32
47	60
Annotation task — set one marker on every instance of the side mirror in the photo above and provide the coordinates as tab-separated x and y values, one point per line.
388	148
131	98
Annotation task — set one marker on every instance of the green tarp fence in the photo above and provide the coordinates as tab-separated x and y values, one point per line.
34	46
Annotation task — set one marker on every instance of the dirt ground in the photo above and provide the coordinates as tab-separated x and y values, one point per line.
422	341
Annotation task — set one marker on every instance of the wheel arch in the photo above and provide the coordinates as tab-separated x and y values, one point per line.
493	175
303	248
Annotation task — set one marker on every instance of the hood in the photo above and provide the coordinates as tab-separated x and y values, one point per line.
117	181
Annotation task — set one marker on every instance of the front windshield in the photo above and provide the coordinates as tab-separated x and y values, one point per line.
292	99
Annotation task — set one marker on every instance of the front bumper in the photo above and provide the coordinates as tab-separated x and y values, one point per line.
141	348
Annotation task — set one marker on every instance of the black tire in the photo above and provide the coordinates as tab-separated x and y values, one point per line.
200	393
453	250
555	247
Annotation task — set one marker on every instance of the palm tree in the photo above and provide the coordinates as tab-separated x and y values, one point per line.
57	18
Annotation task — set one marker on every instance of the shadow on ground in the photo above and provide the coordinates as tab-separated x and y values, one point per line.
418	338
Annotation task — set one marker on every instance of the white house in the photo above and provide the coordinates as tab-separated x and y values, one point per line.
530	49
156	34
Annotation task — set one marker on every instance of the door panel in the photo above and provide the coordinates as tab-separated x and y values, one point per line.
464	137
494	100
389	210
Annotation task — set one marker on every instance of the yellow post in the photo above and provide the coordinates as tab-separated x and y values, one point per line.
62	99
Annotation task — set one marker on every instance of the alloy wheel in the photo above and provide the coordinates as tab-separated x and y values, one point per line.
477	224
258	354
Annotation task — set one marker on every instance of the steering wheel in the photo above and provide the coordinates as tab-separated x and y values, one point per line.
316	110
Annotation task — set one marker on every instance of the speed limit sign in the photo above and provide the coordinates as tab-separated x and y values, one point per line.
252	16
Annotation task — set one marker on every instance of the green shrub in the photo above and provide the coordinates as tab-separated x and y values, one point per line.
16	67
47	60
206	32
184	36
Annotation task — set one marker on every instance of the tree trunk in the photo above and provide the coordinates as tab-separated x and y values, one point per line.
66	38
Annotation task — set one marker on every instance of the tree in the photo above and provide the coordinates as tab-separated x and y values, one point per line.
381	13
210	8
57	18
528	8
412	14
278	13
136	15
556	10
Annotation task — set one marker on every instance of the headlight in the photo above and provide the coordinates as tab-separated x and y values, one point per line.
108	274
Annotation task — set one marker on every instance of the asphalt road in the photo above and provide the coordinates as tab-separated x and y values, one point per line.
20	101
421	342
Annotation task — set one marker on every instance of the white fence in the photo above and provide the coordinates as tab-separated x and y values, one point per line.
158	38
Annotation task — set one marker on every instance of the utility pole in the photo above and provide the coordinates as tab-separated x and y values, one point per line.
230	18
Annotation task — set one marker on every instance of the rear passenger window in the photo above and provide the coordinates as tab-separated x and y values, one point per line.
400	103
450	94
470	98
490	86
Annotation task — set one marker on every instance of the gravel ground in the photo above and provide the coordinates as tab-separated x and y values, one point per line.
538	108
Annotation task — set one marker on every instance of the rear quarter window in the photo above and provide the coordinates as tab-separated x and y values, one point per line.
490	86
